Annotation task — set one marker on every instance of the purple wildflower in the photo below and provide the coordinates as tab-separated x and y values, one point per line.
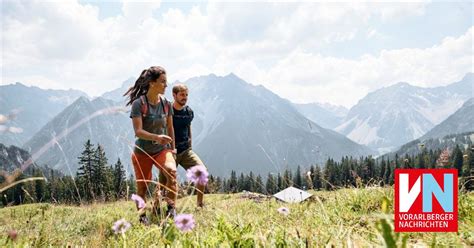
12	234
283	210
139	201
184	222
198	174
121	226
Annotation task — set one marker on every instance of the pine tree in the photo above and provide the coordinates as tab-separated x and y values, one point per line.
328	174
233	184
383	169
468	169
225	186
397	162
119	180
287	179
387	174
250	182
457	159
218	185
258	185
391	180
371	169
67	190
132	185
309	177
99	172
40	186
297	179
431	159
406	162
17	193
420	164
85	171
317	184
271	185
210	186
280	182
345	176
109	188
353	172
241	185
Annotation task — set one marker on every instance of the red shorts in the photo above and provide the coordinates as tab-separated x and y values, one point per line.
143	164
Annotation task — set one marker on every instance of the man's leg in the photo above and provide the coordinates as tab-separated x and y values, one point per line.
188	159
200	195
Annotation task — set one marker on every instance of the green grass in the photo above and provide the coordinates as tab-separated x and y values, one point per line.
346	217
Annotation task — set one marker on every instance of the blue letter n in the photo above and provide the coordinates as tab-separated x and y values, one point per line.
445	199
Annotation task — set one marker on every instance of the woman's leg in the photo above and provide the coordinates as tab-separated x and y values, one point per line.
167	165
142	165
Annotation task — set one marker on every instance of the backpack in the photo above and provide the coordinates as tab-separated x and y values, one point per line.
144	109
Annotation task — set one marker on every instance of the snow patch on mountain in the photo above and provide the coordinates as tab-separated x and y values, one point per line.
364	133
211	117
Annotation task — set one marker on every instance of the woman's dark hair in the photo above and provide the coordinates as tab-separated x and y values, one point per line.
143	83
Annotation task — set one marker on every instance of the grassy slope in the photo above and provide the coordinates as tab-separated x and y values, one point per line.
345	217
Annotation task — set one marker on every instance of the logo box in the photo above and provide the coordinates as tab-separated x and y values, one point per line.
426	200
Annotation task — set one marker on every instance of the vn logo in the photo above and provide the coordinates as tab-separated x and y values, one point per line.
426	200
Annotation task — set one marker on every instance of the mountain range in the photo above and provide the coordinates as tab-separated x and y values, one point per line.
102	121
237	126
457	129
389	117
326	115
24	110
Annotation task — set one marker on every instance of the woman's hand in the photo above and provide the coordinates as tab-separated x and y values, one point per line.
162	139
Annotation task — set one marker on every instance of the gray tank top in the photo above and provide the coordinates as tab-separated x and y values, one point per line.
153	121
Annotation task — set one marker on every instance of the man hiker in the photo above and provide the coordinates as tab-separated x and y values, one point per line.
185	156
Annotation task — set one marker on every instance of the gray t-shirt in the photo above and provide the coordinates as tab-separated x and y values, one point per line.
153	122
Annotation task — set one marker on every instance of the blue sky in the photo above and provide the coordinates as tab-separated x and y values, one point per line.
323	48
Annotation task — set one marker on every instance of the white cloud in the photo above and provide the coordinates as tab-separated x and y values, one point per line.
15	130
312	77
137	11
42	30
65	45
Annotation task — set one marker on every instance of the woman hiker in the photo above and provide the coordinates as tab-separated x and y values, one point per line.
152	120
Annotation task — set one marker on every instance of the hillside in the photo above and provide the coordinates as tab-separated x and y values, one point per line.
347	217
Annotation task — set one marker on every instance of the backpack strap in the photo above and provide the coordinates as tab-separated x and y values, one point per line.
144	105
166	106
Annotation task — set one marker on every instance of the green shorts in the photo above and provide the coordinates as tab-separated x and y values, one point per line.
187	158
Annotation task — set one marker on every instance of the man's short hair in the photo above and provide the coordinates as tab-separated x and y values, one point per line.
178	88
